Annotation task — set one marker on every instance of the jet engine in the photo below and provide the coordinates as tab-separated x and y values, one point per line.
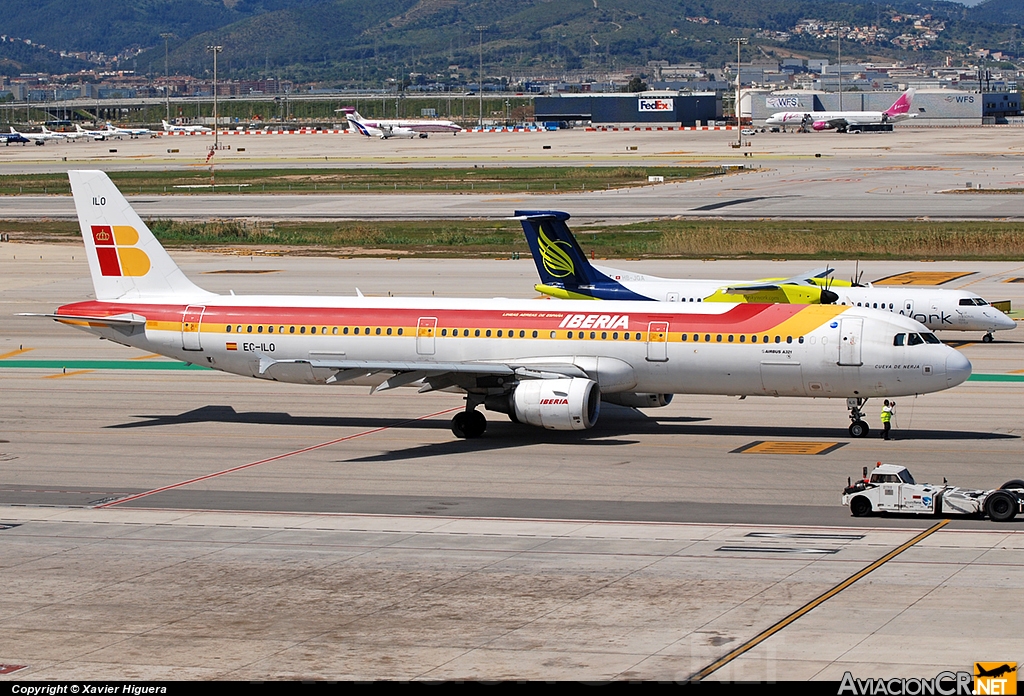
556	404
634	400
820	125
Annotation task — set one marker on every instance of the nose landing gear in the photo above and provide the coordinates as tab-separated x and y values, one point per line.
858	428
987	338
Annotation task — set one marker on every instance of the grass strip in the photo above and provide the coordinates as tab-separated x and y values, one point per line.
689	238
479	179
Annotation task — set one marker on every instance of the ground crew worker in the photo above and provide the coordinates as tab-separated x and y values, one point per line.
887	411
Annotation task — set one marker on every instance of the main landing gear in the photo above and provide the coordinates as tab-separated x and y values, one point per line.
470	423
858	428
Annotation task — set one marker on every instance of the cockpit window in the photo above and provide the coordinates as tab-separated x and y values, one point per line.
973	302
930	338
915	340
899	339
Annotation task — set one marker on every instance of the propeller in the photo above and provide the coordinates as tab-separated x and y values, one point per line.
827	296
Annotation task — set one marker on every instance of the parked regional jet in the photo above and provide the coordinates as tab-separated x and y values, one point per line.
14	137
40	138
101	134
845	121
565	272
117	131
397	128
544	364
171	128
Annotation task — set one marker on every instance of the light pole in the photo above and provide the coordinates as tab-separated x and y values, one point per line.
481	95
739	41
839	39
215	50
167	93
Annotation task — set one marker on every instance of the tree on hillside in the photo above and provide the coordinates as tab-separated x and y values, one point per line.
636	85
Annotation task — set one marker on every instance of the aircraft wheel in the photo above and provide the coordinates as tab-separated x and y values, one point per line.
477	424
459	423
860	506
1001	507
859	429
987	338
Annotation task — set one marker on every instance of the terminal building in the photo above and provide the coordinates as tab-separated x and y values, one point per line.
653	108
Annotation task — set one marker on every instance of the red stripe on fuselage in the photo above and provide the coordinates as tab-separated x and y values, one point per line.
742	318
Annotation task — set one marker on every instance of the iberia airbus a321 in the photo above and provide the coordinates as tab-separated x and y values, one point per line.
544	364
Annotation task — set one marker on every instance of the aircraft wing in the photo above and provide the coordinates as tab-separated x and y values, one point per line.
774	283
434	375
838	123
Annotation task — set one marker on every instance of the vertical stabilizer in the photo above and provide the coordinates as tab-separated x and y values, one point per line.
125	259
901	106
560	261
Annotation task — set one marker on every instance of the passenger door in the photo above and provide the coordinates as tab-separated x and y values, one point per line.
851	330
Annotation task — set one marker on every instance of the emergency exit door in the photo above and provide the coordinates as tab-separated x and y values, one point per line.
657	341
426	327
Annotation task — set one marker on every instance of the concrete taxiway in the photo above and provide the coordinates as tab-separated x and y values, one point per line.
158	522
905	174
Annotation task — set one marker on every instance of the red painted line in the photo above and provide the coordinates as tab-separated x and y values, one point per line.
275	458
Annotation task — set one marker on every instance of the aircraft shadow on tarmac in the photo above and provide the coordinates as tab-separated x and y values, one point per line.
622	424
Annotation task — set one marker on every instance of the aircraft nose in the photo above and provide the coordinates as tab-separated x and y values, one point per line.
958	368
1004	323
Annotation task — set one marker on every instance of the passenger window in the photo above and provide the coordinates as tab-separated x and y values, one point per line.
499	333
743	339
522	334
378	331
229	328
302	329
444	332
399	332
553	334
593	334
345	331
356	331
535	335
707	338
683	338
638	336
718	338
291	329
604	335
789	339
259	329
312	329
270	329
730	338
334	330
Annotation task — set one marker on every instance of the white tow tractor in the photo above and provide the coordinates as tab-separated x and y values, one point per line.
891	488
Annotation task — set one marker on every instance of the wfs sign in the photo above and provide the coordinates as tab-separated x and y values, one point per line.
783	102
645	105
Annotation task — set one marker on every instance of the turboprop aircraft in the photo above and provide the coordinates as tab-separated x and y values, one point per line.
565	272
544	364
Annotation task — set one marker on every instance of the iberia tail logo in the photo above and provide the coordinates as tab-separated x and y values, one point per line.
115	248
995	678
556	261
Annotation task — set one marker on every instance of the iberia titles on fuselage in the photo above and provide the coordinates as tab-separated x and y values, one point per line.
545	364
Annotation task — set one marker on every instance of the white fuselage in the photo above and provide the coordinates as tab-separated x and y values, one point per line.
937	308
715	348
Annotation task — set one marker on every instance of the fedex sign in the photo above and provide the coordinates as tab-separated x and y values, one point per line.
655	105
